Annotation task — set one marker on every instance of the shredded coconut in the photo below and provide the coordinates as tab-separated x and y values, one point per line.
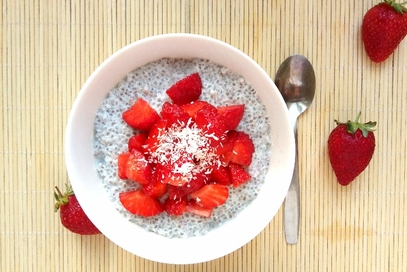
187	148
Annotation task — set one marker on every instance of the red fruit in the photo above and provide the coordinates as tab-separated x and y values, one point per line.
167	175
175	206
350	147
174	114
224	151
238	175
232	115
221	175
194	208
212	125
137	168
155	188
243	148
137	141
122	164
197	182
137	202
384	26
157	130
211	195
141	115
186	90
71	213
180	171
193	107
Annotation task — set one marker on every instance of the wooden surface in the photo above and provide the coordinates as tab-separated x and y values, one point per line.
49	48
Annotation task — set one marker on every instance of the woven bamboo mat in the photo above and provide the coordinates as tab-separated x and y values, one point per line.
49	48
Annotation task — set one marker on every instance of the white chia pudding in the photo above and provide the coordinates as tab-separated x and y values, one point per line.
220	87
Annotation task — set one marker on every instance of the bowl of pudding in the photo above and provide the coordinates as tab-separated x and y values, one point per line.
96	135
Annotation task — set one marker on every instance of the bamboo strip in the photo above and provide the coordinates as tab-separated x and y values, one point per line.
49	48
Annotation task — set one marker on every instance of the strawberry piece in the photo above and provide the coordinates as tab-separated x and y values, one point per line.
211	195
197	182
157	130
186	90
181	170
384	26
168	176
224	151
193	107
232	115
122	164
137	141
137	168
155	188
350	148
175	206
71	213
194	208
243	148
141	115
174	114
221	175
211	124
137	202
238	175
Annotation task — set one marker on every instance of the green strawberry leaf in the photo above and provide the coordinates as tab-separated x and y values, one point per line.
352	127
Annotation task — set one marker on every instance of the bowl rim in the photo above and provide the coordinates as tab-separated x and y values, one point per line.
79	133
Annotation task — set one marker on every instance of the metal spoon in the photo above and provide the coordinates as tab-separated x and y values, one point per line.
295	79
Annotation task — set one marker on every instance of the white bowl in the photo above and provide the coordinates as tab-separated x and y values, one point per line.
88	186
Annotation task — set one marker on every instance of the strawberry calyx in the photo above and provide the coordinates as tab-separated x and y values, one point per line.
62	199
398	7
353	126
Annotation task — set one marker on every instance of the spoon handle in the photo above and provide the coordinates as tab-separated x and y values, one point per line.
292	202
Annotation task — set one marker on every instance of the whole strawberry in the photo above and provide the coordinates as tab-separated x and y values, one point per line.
384	26
72	215
350	147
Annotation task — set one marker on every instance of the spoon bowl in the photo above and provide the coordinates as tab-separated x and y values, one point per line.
295	80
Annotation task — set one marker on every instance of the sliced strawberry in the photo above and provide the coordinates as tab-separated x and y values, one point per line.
176	179
197	182
181	170
193	107
137	202
211	124
221	175
205	115
152	142
168	176
194	208
175	206
137	141
211	195
243	148
122	164
137	168
186	90
174	114
155	188
232	115
224	151
141	115
238	174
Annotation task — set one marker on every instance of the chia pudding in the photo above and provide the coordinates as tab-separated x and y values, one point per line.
220	87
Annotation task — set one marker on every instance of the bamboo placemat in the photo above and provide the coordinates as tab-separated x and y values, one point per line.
49	48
